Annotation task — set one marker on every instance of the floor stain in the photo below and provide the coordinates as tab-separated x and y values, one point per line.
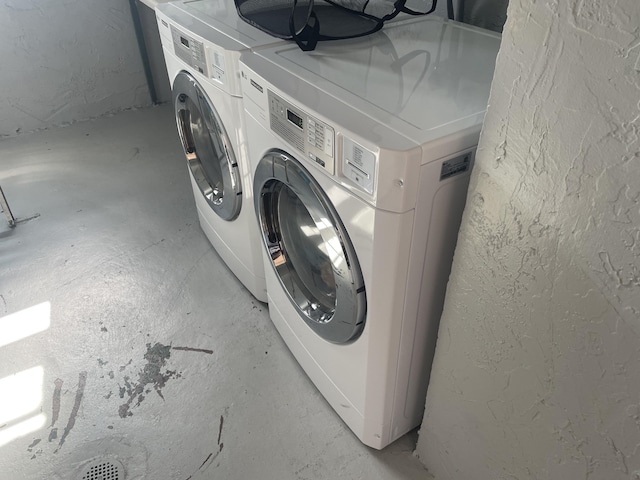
153	245
208	461
35	455
82	382
151	374
212	456
136	152
33	444
56	401
191	349
125	366
205	461
221	445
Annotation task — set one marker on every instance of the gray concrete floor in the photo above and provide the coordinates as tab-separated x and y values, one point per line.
152	353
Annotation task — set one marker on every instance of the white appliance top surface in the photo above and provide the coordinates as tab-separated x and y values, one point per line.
424	78
218	22
153	3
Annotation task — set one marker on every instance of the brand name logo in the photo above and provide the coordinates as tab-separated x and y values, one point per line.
258	87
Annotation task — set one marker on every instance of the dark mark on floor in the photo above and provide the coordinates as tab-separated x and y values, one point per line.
101	362
205	461
27	219
53	434
108	395
56	401
191	349
209	460
220	429
111	375
110	427
33	444
151	374
104	329
125	366
82	382
153	245
211	457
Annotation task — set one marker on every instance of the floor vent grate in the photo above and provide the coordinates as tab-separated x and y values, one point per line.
102	469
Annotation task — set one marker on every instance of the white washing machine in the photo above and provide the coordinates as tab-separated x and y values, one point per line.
202	41
361	153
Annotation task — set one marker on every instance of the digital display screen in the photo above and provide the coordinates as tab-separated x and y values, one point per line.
184	41
295	119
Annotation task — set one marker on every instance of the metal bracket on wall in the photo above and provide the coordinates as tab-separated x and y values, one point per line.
7	211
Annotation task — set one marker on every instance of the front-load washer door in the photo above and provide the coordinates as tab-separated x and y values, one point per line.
207	146
309	248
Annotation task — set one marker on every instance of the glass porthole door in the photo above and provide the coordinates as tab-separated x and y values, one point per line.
210	156
309	248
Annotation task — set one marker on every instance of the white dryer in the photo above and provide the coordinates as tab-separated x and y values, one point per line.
202	41
361	153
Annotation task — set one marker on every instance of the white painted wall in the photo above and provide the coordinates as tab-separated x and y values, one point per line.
66	60
537	368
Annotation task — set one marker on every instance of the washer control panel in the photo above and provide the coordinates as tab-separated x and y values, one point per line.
310	136
190	51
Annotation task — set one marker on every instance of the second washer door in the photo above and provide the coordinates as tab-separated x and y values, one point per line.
207	146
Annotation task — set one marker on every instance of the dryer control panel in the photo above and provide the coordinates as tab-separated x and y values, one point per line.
190	51
310	136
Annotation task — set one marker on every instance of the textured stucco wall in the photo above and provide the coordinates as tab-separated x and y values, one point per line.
537	368
66	60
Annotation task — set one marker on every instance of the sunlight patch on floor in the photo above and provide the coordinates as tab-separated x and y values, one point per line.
26	322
